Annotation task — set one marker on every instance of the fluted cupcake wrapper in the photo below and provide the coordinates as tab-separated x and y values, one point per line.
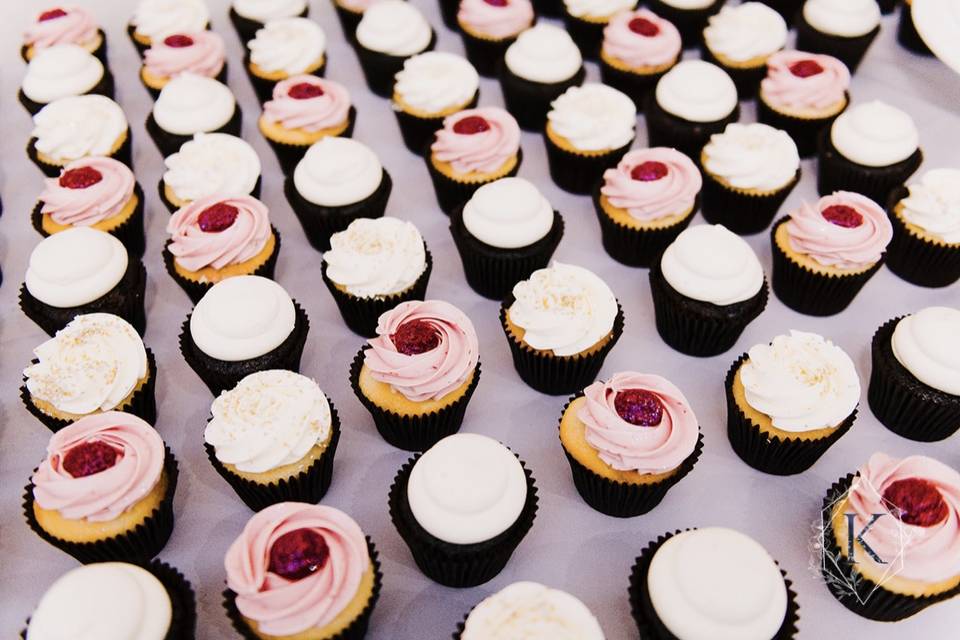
172	208
887	6
667	130
451	193
578	173
804	131
850	51
586	34
263	88
379	69
483	53
786	8
100	52
220	375
853	590
548	8
689	22
418	132
458	565
448	12
650	625
169	143
919	261
247	29
907	34
105	87
356	630
137	546
124	154
290	155
836	173
901	402
529	101
362	314
635	85
742	212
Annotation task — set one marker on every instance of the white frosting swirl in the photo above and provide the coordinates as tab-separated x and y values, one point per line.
697	91
563	308
845	18
752	156
157	19
801	381
436	81
338	171
712	264
266	10
875	134
290	45
934	204
91	365
688	4
212	163
60	71
103	601
467	488
745	32
508	213
394	27
544	53
270	419
79	126
75	266
376	257
594	117
242	317
597	8
190	104
927	344
533	612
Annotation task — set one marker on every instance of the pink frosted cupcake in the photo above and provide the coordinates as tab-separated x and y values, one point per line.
638	48
199	52
488	27
64	25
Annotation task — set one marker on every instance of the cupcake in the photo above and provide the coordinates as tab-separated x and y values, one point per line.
474	147
789	401
339	180
645	202
301	571
96	364
62	71
540	65
589	128
390	32
628	440
64	25
82	270
707	287
199	52
844	29
190	104
157	19
803	94
208	164
907	34
217	237
914	389
243	325
689	16
505	232
283	49
823	254
585	21
560	324
104	491
249	16
488	28
303	110
79	127
273	438
691	102
749	170
100	193
741	39
458	536
372	266
900	564
925	249
870	149
677	574
638	47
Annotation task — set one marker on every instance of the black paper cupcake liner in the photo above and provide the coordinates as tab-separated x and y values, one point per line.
379	69
124	154
130	232
169	143
804	131
483	53
100	53
741	212
493	272
919	261
290	155
746	79
850	51
448	12
137	546
689	22
786	8
650	625
155	93
263	88
172	208
548	8
247	29
105	87
667	130
529	101
319	222
887	6
356	630
836	173
586	34
348	22
452	193
558	375
458	565
418	132
907	34
220	375
635	85
579	173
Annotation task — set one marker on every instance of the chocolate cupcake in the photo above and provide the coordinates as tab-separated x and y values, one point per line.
638	48
249	16
741	39
585	21
79	127
208	164
157	19
390	32
282	49
191	104
689	16
488	28
844	29
528	609
62	71
64	25
198	52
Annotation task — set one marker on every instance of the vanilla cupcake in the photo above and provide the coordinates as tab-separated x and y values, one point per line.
689	16
741	39
389	33
844	29
585	21
488	28
208	164
156	19
62	71
529	610
190	104
249	16
64	25
198	52
282	49
79	127
638	48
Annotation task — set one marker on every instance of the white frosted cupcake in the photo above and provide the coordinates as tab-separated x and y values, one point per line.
283	48
390	32
64	25
191	104
62	71
207	164
79	127
154	20
529	610
248	16
689	16
844	29
740	39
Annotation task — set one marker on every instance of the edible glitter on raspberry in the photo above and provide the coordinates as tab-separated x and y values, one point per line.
471	125
806	68
88	458
649	171
80	178
52	14
643	27
416	337
915	501
305	91
298	553
843	216
639	407
217	217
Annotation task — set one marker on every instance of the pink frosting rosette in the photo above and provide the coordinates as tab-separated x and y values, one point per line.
99	466
61	25
296	566
216	231
922	497
844	230
423	349
88	191
653	183
479	140
641	38
496	20
309	103
639	422
799	80
200	52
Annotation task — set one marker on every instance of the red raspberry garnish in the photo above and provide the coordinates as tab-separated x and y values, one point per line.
643	27
805	68
297	554
471	125
496	3
639	407
305	91
178	41
843	216
217	217
80	178
915	501
415	337
52	14
89	458
649	171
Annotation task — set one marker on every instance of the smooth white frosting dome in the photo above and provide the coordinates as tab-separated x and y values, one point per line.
688	4
934	204
594	117
103	601
79	126
927	344
290	45
745	32
161	18
394	27
752	156
242	317
212	163
846	18
508	213
338	171
697	91
265	10
436	81
467	488
531	611
716	583
875	134
376	257
190	104
597	8
61	71
544	53
712	264
75	267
